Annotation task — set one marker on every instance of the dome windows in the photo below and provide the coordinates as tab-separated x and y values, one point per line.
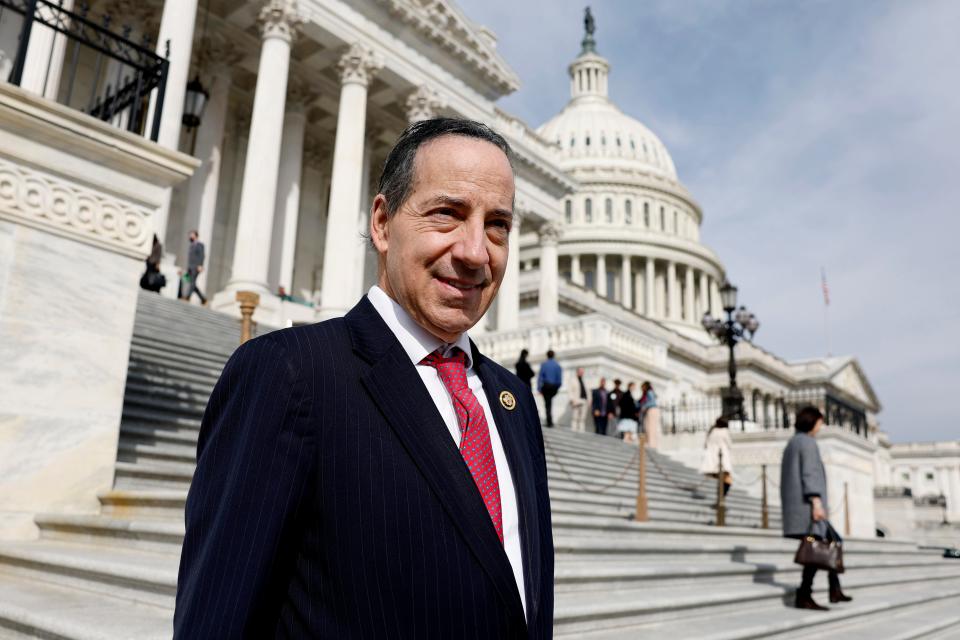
628	211
568	211
663	219
646	215
676	222
587	140
588	210
608	210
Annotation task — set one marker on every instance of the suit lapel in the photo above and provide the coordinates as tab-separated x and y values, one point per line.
395	386
513	434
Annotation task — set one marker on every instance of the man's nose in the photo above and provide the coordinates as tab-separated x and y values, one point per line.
471	248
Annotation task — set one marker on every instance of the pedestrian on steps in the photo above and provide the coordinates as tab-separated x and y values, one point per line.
803	496
196	254
152	279
717	452
523	368
627	424
548	383
599	402
578	403
650	415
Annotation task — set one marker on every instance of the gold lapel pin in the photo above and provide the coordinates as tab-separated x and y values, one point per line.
508	401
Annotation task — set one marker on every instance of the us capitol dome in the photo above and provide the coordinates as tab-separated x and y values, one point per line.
631	230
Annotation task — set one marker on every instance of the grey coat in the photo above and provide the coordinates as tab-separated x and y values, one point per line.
195	256
802	476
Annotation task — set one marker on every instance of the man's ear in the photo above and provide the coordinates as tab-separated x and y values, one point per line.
379	223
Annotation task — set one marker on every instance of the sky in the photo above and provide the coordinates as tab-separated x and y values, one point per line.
815	134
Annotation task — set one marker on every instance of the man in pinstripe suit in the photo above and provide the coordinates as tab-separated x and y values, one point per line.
375	476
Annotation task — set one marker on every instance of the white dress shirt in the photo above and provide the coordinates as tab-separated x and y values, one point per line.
418	343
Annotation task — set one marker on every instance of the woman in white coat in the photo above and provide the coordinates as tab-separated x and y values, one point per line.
718	451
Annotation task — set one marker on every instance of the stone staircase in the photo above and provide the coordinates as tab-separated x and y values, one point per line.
113	574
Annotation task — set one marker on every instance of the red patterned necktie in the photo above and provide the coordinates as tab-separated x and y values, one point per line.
475	444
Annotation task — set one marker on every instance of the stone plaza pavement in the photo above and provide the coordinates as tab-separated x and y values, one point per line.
112	574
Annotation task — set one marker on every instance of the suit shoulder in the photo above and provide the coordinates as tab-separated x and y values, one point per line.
299	343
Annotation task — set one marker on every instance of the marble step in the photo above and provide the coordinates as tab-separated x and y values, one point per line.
187	374
37	608
735	612
771	618
167	504
177	396
161	359
163	404
164	381
131	475
144	415
156	534
937	619
142	576
189	344
611	577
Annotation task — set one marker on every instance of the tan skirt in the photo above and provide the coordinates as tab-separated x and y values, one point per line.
651	426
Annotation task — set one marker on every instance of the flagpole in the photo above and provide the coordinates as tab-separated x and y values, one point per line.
826	308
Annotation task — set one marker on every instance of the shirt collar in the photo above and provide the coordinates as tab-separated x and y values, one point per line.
416	341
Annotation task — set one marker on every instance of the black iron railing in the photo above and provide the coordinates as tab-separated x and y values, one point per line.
769	412
105	74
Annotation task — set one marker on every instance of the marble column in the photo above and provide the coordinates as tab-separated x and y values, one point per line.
43	65
716	307
673	300
661	297
279	23
202	192
176	26
549	273
649	288
576	272
357	67
601	277
704	293
691	315
508	299
310	220
289	181
626	285
423	103
363	214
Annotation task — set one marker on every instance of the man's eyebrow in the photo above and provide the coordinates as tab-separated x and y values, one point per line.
459	203
444	199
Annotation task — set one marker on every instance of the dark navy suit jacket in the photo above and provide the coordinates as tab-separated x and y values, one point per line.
330	501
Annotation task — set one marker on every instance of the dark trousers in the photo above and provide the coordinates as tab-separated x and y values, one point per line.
600	423
192	288
549	391
806	586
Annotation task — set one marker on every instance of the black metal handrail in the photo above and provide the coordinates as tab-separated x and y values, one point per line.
690	416
139	71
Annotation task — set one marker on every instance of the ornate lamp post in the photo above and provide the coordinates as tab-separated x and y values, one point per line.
739	325
194	102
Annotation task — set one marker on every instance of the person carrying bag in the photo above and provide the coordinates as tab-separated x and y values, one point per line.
803	497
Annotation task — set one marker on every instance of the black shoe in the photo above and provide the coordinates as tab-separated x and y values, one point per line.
806	601
839	596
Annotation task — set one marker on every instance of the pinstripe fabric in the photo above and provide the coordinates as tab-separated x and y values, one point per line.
329	500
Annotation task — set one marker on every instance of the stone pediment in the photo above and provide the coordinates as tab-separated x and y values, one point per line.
851	379
445	24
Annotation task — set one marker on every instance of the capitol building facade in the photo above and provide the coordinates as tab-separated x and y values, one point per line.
303	100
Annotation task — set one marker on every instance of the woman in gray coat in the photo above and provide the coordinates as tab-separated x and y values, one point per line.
803	496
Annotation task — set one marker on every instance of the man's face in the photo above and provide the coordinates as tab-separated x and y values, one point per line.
444	252
192	237
579	372
603	382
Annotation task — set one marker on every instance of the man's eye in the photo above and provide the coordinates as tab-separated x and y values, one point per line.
503	224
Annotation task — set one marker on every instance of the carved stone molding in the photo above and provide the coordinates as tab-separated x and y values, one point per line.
142	17
358	65
549	234
423	104
219	55
40	199
280	19
299	95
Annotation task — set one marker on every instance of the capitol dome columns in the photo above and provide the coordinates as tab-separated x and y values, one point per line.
649	288
601	277
508	298
690	315
279	23
357	67
626	287
549	273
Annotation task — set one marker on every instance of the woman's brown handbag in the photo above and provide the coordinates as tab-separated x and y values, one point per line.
823	553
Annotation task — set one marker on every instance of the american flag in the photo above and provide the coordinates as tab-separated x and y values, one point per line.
826	289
